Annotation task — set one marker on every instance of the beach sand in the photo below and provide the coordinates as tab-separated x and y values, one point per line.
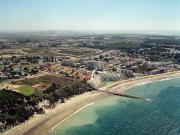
42	124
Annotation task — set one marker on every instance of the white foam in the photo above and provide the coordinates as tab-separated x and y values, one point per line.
166	79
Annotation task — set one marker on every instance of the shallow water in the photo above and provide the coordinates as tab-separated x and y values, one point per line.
123	116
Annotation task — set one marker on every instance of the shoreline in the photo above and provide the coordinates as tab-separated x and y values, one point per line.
80	109
43	124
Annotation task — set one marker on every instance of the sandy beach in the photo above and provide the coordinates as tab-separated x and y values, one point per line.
42	124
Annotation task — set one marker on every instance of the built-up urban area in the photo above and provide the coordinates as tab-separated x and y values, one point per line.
41	68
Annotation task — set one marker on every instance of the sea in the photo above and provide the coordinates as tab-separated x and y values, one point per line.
125	116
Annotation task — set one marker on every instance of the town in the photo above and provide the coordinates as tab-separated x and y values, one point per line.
113	57
36	64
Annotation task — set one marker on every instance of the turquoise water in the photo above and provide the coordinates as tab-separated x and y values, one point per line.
123	116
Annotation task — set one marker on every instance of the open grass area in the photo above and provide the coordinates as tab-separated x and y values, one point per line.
26	90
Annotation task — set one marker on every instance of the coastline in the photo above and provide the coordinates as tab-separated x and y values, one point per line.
42	124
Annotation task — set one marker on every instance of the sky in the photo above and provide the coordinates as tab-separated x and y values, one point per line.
90	15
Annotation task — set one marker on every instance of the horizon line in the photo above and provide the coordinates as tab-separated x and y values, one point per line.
158	32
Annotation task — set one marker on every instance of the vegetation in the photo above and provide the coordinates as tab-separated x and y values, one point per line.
16	108
26	90
58	92
78	51
162	41
121	45
112	46
46	79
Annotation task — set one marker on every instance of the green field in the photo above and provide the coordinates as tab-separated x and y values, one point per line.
26	90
